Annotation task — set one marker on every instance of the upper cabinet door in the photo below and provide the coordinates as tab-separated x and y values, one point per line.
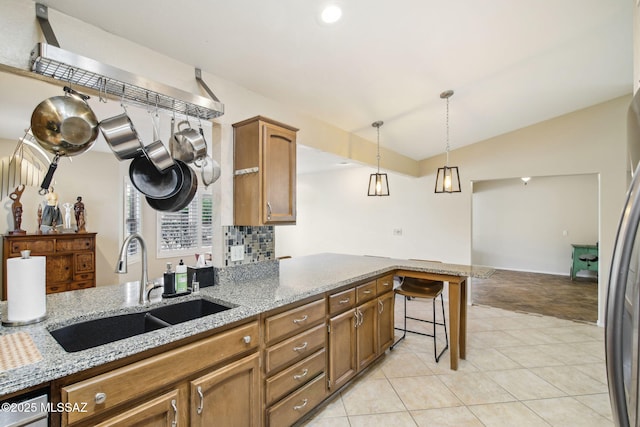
279	175
264	181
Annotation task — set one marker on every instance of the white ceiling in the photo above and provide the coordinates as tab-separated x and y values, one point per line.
510	63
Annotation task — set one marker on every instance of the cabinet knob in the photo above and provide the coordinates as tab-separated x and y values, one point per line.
247	339
100	398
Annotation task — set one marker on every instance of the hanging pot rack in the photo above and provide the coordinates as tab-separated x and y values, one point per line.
49	60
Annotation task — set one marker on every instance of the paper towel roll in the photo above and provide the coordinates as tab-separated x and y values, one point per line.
26	289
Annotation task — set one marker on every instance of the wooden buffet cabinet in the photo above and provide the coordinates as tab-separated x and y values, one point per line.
71	258
273	370
264	180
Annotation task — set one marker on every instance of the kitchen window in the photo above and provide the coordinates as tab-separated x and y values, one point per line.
132	219
188	231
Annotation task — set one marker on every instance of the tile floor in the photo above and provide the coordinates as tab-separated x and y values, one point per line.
521	370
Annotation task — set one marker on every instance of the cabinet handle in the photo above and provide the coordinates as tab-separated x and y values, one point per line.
201	405
356	318
344	301
174	423
268	211
368	291
101	398
296	321
302	405
381	307
302	375
302	347
361	315
247	339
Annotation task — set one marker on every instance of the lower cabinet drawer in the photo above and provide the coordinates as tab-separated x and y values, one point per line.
295	348
294	407
288	380
53	288
80	285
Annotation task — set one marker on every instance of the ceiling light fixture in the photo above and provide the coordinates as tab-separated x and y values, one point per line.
378	183
331	14
448	178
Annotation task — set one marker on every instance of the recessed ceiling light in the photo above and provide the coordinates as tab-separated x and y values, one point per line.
331	14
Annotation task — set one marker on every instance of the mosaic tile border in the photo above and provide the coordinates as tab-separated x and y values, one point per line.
258	241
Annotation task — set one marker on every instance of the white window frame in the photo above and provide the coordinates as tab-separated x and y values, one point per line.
131	194
204	227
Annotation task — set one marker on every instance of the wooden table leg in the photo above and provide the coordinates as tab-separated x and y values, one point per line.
463	318
454	324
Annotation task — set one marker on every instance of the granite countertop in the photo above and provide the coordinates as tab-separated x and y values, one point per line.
250	290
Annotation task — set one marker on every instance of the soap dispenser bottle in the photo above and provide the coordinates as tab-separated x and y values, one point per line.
181	278
169	281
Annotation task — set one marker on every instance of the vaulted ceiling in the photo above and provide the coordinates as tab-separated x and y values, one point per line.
510	63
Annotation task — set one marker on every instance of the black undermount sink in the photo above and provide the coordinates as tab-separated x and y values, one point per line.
92	333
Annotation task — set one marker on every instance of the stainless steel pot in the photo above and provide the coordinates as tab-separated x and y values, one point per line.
158	154
188	144
121	136
64	126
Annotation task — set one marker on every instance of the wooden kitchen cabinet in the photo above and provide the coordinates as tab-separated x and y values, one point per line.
264	182
166	410
229	396
214	364
294	362
70	263
363	332
386	318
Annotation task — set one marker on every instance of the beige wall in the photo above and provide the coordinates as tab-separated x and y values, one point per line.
336	215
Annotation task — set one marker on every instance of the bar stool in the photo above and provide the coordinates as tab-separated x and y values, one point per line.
426	289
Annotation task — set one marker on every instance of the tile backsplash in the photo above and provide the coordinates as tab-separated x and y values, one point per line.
258	241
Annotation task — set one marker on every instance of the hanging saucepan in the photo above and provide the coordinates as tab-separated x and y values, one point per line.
183	197
187	143
152	183
121	136
64	126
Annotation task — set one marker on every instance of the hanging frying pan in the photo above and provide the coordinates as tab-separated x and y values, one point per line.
64	126
183	197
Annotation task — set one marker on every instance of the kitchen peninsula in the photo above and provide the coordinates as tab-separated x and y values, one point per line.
266	300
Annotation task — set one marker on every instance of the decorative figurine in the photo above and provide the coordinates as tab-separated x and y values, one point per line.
81	224
51	215
67	215
78	208
16	209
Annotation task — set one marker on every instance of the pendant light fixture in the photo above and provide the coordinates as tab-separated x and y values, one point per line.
448	178
378	183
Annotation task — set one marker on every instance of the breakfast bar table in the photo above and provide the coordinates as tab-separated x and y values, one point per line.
457	311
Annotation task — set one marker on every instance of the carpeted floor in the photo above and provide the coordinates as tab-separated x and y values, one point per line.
545	294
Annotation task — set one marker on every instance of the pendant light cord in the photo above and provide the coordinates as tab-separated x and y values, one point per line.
377	126
447	118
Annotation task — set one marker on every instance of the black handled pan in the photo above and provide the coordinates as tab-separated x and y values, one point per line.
64	126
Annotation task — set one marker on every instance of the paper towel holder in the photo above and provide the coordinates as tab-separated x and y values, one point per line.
25	254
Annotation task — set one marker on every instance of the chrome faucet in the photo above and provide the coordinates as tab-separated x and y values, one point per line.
121	267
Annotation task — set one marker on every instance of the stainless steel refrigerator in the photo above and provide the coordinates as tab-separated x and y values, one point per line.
622	321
